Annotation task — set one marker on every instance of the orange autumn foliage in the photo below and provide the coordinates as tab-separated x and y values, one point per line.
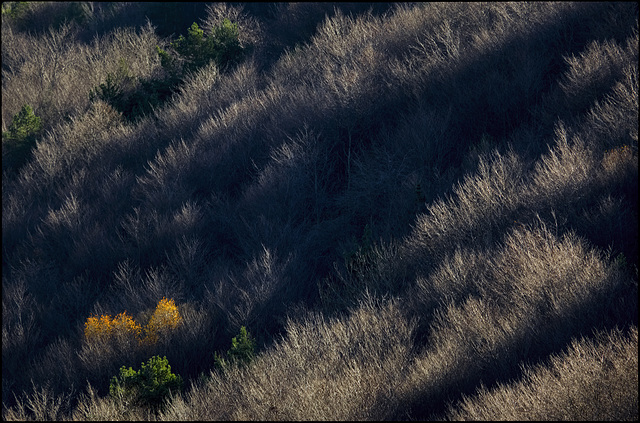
166	317
105	328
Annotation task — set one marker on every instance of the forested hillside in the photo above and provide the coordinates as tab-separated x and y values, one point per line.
344	211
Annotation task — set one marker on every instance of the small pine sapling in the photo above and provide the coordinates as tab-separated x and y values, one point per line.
242	351
20	139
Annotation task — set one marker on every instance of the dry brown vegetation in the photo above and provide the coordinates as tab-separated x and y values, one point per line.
419	211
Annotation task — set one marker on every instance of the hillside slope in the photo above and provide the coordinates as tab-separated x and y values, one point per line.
419	211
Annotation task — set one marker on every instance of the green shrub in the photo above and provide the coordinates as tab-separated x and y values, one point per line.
196	50
20	13
111	91
148	386
242	347
166	61
226	44
193	48
15	9
242	350
108	91
18	142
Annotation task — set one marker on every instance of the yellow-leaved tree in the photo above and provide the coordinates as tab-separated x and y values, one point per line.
106	329
164	319
123	327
